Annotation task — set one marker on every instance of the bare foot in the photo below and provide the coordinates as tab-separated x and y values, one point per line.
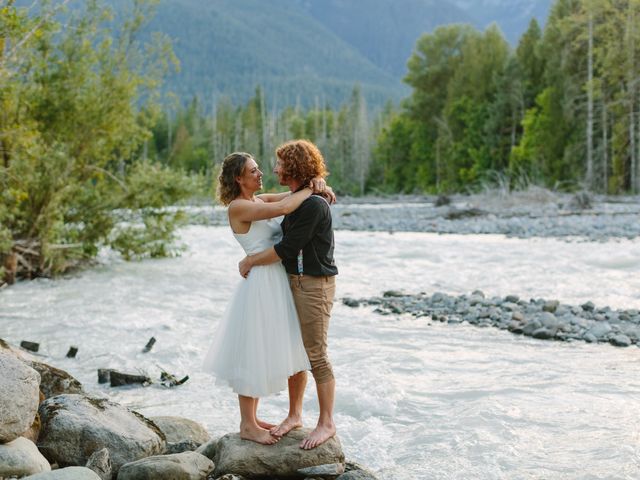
318	436
258	435
265	425
286	426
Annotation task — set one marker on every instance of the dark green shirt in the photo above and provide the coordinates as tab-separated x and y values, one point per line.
308	229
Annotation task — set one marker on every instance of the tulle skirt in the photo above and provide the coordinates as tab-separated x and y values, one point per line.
258	344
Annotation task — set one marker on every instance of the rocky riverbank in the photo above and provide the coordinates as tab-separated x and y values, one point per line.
537	318
531	213
52	429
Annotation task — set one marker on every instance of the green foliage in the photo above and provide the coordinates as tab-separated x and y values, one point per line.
77	106
479	109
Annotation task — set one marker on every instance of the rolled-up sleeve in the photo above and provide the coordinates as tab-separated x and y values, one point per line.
300	231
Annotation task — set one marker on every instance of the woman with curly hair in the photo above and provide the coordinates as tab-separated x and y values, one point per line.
258	345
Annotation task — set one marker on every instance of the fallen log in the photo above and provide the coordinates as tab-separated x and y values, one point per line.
147	348
31	346
119	379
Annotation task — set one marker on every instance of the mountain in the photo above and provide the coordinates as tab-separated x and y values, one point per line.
227	47
384	31
512	16
309	51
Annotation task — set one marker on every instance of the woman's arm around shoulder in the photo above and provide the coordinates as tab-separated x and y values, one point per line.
248	211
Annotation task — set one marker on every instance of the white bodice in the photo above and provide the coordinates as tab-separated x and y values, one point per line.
262	234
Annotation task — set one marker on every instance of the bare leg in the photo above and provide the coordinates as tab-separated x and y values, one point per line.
260	423
297	384
249	428
326	428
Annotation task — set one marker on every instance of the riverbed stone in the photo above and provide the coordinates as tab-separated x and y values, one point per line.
20	458
181	433
620	340
544	333
74	426
19	397
100	463
69	473
284	459
179	466
600	330
208	449
54	381
550	306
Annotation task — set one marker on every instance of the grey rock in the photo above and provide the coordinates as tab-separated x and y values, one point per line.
327	472
19	397
100	463
512	298
590	338
357	474
208	449
350	302
550	306
600	330
393	293
284	459
178	429
183	446
179	466
531	327
230	476
620	340
55	381
69	473
544	333
548	319
21	457
74	426
518	316
588	306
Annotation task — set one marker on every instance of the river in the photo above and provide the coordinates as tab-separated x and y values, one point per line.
415	400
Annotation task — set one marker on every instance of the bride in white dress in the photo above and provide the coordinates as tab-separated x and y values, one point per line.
258	344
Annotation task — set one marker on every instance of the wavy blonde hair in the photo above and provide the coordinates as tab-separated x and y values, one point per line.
232	167
301	160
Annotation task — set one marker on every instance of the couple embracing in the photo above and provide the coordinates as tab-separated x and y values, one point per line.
275	326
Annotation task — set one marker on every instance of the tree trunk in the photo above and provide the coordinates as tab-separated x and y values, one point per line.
590	106
633	174
605	148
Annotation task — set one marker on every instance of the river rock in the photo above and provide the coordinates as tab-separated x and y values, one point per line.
69	473
21	457
179	466
74	426
100	463
284	459
178	430
54	381
620	340
550	306
19	397
208	449
600	330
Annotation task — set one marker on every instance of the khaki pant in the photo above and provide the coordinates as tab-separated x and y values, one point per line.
313	297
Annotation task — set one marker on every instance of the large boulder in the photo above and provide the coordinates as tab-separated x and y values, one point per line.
284	459
182	434
179	466
53	381
69	473
19	397
75	426
20	458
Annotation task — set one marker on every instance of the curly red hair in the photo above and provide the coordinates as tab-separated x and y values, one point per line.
301	160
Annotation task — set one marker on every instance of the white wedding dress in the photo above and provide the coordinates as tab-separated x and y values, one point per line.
258	344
